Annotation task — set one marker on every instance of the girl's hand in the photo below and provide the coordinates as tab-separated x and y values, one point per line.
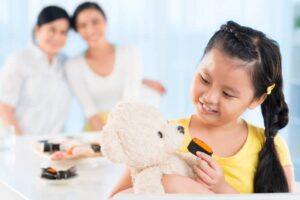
210	175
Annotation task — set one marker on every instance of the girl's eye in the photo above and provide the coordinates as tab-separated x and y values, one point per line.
204	80
227	95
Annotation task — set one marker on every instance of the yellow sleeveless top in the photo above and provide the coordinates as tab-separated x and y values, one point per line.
239	169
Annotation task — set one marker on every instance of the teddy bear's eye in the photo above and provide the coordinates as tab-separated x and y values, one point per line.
160	134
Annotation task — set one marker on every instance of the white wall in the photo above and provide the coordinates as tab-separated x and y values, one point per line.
170	33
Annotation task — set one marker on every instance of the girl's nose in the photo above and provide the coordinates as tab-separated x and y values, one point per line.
211	97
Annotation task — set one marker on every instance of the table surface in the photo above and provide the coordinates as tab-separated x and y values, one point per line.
20	167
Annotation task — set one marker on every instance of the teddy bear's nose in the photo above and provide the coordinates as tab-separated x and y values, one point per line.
180	129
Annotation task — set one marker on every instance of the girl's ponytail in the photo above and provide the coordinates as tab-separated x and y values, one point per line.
269	176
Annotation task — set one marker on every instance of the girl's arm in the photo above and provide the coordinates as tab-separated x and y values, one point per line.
181	184
8	117
289	174
172	184
123	184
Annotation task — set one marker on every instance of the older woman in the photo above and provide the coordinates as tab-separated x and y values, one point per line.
34	96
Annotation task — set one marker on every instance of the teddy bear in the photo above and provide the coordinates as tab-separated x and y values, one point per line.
138	136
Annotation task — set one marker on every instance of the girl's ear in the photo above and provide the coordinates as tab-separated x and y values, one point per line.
257	101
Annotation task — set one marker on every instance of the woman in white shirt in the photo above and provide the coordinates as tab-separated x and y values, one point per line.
104	74
34	96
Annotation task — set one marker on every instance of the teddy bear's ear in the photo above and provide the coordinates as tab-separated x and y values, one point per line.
111	145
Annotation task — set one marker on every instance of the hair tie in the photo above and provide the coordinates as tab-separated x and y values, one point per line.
270	137
270	88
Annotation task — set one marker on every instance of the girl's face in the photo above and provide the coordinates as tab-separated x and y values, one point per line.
91	25
52	36
222	89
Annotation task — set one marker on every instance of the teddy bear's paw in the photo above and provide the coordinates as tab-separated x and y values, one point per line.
146	188
148	182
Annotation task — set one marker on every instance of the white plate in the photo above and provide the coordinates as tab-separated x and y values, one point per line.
80	164
59	182
82	139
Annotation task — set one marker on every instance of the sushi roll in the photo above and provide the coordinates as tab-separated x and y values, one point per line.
198	145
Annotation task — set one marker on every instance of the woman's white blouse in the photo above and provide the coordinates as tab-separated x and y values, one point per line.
36	90
100	93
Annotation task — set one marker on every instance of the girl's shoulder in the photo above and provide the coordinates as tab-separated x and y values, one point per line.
258	139
256	132
257	135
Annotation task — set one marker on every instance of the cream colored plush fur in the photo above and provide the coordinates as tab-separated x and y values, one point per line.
131	136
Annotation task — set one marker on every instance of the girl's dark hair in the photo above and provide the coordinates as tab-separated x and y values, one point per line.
84	6
264	58
50	14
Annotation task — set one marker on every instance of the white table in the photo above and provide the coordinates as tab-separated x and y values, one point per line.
20	168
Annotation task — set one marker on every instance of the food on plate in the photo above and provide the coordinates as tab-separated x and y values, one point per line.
198	145
70	147
51	173
77	152
49	147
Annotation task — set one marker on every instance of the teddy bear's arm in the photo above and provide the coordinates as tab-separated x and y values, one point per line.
148	181
176	165
189	158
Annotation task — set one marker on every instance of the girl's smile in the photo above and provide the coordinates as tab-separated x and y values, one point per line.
205	109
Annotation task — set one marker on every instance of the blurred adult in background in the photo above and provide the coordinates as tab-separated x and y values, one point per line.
105	73
34	96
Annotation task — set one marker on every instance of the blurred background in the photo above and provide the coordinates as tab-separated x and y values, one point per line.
171	35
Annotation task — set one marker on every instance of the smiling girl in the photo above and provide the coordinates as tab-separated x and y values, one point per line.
240	70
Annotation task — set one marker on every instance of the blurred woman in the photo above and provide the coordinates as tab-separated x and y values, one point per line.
105	73
34	96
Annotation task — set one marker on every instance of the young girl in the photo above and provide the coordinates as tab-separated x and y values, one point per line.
240	69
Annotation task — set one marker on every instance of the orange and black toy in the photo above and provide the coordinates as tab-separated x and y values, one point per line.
198	145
